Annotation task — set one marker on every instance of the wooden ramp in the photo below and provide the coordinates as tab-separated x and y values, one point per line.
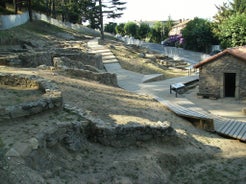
199	119
233	128
223	126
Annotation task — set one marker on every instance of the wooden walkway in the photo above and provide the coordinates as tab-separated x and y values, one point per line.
200	120
233	128
223	126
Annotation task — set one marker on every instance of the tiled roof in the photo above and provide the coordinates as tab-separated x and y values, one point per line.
239	52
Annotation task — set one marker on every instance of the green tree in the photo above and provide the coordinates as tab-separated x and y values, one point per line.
3	3
111	9
198	35
167	27
110	28
131	29
233	31
143	30
120	29
156	33
77	11
238	6
229	23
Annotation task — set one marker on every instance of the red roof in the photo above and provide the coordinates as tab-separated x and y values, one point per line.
239	52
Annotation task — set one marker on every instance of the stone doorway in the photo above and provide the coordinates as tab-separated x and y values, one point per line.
229	84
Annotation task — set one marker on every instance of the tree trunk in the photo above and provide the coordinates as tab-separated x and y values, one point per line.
101	20
53	9
3	3
30	9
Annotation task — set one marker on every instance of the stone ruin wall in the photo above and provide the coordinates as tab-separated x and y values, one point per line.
34	59
51	98
79	70
78	64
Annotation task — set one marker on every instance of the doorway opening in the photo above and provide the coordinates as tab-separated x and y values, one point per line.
229	84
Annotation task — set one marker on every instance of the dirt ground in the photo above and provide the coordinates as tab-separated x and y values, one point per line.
224	107
191	156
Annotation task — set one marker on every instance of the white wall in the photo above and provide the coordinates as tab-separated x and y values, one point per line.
9	21
172	52
77	27
181	54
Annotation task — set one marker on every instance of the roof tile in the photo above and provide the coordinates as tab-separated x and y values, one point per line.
239	52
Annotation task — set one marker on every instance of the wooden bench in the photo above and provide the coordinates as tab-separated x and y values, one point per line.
177	88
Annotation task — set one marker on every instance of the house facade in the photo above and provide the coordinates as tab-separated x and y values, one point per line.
224	74
176	30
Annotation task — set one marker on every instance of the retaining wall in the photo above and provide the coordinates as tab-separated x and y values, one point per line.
172	52
77	27
9	21
181	54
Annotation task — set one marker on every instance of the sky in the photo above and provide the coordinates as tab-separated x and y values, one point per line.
155	10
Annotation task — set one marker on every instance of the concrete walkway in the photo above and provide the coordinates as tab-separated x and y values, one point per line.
160	90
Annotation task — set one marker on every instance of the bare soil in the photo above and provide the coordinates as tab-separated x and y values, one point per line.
14	95
192	156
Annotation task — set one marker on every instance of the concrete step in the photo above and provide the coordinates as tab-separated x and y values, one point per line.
110	61
108	57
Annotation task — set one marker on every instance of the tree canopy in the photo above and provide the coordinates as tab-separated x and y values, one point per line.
79	11
233	31
198	35
230	26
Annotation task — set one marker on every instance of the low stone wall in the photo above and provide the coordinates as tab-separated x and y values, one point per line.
28	59
82	57
51	98
126	135
34	59
9	21
78	69
123	135
72	135
104	78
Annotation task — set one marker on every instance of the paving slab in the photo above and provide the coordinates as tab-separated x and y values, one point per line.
112	67
148	78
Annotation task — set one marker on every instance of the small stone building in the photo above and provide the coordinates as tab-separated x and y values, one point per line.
224	74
